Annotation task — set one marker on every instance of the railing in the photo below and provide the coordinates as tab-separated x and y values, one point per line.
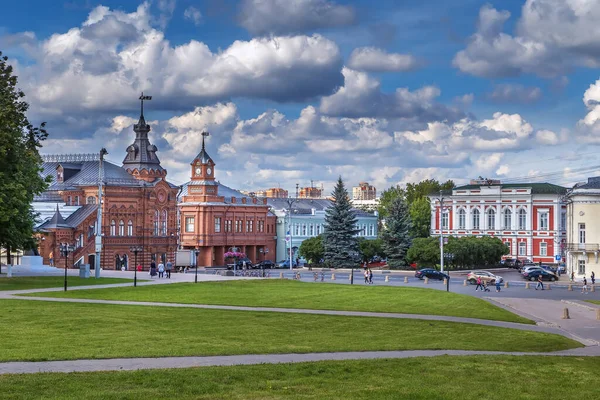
583	247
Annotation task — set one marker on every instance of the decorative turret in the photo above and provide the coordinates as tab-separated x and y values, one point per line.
203	186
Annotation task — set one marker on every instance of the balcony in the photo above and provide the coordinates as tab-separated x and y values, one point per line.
583	247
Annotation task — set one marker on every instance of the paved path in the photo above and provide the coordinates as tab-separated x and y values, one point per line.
124	364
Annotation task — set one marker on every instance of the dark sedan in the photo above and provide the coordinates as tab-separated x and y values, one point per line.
430	273
546	275
266	264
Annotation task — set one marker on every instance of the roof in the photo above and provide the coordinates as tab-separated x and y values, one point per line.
57	221
224	191
203	155
592	183
305	206
81	215
536	188
114	175
141	154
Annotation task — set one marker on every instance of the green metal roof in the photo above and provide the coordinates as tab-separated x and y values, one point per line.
536	188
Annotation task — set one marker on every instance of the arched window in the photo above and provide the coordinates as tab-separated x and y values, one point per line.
491	219
130	228
475	219
121	228
113	228
91	200
165	216
522	219
445	215
156	222
507	219
462	219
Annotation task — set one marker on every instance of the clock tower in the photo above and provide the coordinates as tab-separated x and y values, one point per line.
203	187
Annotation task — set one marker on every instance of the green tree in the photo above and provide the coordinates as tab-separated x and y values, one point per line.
424	251
420	215
396	235
415	191
20	163
339	236
386	199
312	249
369	248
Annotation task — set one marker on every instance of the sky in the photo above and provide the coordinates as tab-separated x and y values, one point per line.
294	91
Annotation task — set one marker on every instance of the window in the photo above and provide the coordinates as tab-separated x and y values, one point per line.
76	200
581	269
372	230
165	218
217	224
507	219
491	219
261	226
249	225
311	230
91	200
296	230
130	228
522	248
543	249
581	234
228	225
544	221
462	219
475	219
91	230
81	240
444	219
238	225
69	200
303	229
522	219
189	224
113	228
121	228
563	221
156	222
318	229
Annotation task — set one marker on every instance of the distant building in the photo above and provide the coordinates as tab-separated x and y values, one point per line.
364	191
310	193
276	193
366	205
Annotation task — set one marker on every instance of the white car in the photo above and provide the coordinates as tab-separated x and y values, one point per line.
530	268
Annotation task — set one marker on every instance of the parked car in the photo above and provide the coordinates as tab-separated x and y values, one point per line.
485	276
266	264
546	275
431	274
511	263
286	264
241	261
530	268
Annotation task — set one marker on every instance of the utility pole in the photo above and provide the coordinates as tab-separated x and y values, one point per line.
441	199
103	152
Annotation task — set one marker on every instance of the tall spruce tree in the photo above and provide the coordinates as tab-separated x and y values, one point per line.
339	237
396	235
20	163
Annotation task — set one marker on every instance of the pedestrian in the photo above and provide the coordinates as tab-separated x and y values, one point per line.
161	270
539	282
370	276
168	268
572	276
139	267
593	278
152	269
584	288
366	274
479	285
485	288
51	259
497	285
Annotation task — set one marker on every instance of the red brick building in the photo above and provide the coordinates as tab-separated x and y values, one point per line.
215	218
139	207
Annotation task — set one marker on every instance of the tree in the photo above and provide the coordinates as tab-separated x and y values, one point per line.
386	199
420	216
424	251
339	236
312	249
396	236
20	163
369	248
415	191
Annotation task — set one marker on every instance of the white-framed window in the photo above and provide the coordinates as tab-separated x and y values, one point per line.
522	248
543	249
581	233
311	230
507	219
156	222
130	228
372	230
318	229
91	200
445	220
217	224
113	228
303	229
544	221
491	219
476	219
189	224
581	267
462	219
165	218
121	228
76	200
522	219
296	229
69	200
563	221
228	225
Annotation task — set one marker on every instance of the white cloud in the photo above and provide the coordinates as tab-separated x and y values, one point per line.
514	93
193	14
281	17
372	59
547	137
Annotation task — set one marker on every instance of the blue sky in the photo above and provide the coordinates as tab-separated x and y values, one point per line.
301	90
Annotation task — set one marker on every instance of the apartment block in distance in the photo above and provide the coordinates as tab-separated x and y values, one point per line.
364	191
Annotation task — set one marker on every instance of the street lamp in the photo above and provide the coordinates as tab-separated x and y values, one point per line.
442	209
65	249
196	252
135	250
264	252
450	257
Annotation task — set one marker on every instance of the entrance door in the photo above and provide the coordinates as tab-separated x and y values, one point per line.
92	261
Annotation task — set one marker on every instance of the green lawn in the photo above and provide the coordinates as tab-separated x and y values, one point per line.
594	301
38	330
448	378
293	294
41	282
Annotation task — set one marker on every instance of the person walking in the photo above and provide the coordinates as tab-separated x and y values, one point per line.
593	278
161	270
572	276
152	269
540	283
497	285
168	268
479	285
584	288
366	274
370	276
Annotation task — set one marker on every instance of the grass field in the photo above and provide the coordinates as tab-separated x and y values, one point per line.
41	282
448	378
38	330
594	301
293	294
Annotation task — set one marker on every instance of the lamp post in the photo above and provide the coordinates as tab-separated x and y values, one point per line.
450	257
196	252
65	249
135	250
441	202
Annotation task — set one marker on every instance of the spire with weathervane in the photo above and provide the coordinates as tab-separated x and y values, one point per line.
203	186
141	160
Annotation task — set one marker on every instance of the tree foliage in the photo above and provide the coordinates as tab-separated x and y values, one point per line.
339	236
420	216
386	198
312	249
396	236
415	191
20	163
369	248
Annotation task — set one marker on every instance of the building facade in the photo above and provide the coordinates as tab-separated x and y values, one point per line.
310	192
276	193
364	191
216	219
583	229
530	218
138	207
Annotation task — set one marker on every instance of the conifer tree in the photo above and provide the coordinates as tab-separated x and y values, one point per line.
396	235
339	237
